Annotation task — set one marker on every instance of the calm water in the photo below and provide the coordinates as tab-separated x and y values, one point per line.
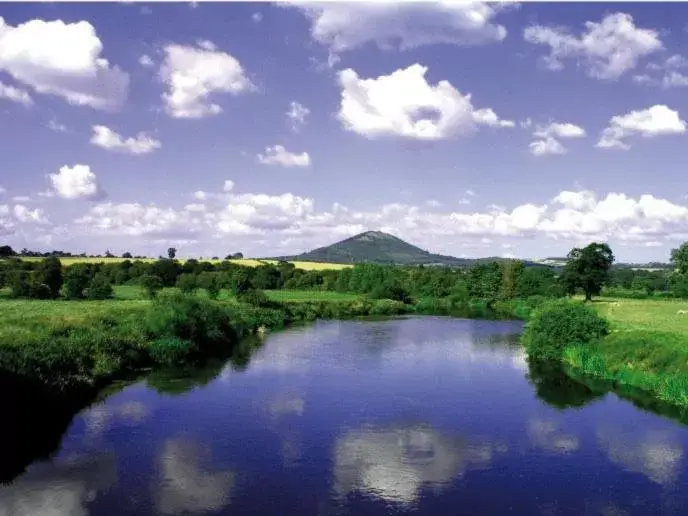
424	415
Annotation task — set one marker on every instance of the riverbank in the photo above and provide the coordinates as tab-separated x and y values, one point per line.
646	349
84	345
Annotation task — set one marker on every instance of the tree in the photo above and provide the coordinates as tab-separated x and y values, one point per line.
99	287
76	279
588	269
187	283
127	255
6	251
679	258
49	273
171	253
152	285
210	281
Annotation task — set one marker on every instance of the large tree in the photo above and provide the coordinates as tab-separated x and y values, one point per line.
679	258
588	269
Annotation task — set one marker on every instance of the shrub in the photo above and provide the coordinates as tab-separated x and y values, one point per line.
254	297
76	279
561	323
151	284
49	273
170	350
99	287
187	283
211	282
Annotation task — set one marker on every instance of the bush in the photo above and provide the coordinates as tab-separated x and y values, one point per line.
254	297
561	323
170	350
211	282
187	283
76	280
99	287
151	284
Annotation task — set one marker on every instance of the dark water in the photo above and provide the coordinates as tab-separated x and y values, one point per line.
425	415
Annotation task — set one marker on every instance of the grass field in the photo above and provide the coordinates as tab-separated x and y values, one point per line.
645	314
249	262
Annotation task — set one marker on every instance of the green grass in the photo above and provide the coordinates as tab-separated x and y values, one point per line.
310	295
647	348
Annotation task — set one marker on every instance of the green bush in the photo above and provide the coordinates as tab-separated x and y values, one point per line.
76	280
254	297
170	350
561	323
187	283
99	287
151	284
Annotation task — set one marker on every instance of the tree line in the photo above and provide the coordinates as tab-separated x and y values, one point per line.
588	271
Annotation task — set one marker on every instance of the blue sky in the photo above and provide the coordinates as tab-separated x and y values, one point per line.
473	130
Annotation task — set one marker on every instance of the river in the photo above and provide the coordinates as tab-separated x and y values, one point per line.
425	415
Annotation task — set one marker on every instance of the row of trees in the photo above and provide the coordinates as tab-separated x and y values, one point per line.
6	251
588	270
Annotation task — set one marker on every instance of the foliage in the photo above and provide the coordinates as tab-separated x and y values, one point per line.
99	287
76	280
152	285
187	282
561	323
588	269
211	282
679	259
171	253
255	297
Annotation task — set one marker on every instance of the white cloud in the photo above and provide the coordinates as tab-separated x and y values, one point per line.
345	26
146	61
54	125
671	76
655	121
14	217
297	114
547	142
76	182
62	59
606	50
257	17
192	75
278	155
15	94
106	138
21	198
2	190
228	185
403	103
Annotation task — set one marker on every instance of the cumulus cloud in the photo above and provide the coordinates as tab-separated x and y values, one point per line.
657	120
346	26
606	50
403	103
667	74
62	59
108	139
15	94
13	217
193	74
76	182
146	61
294	222
547	138
297	115
278	155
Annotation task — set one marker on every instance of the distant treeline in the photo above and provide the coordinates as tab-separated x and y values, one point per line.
488	281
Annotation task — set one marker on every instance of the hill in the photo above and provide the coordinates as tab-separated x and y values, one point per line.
382	248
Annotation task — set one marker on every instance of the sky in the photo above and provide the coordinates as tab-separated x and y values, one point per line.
467	129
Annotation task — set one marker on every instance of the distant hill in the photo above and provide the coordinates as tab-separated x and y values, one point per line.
381	248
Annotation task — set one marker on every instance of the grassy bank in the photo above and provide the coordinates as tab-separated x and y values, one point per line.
647	348
85	344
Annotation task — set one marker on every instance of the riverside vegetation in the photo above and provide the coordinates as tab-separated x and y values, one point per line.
80	326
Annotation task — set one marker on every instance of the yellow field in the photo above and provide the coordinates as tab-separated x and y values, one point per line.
248	262
645	314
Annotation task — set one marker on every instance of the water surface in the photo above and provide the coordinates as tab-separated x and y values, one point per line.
422	415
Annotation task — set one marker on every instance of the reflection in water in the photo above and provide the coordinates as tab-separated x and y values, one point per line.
394	463
64	487
184	486
100	417
655	454
558	389
546	434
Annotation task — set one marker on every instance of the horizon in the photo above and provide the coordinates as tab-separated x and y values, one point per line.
274	129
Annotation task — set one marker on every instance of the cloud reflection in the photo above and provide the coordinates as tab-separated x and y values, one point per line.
62	487
655	454
395	463
184	486
545	434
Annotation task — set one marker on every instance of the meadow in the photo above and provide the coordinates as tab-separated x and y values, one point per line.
248	262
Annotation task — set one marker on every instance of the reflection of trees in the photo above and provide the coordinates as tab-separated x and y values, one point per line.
556	388
184	486
394	463
60	488
33	421
178	380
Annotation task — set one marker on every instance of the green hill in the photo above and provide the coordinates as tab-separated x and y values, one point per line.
382	248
